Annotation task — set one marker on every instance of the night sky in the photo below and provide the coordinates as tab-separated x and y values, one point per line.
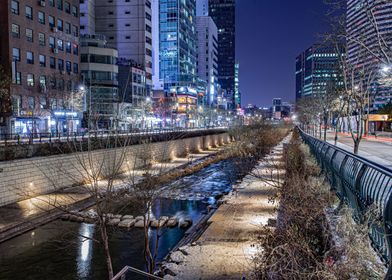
270	34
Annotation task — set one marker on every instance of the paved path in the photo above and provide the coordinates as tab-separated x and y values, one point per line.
29	211
225	249
376	150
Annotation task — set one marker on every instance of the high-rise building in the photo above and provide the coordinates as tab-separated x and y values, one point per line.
87	17
237	93
207	57
223	14
316	68
157	82
127	27
276	108
368	27
177	43
202	7
39	48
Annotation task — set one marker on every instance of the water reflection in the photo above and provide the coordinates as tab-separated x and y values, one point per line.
65	250
86	232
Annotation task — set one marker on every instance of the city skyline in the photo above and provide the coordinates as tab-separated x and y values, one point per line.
267	57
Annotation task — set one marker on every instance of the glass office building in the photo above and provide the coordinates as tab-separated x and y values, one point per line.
316	68
177	43
223	14
369	24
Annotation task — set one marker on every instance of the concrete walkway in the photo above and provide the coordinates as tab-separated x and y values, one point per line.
21	216
225	250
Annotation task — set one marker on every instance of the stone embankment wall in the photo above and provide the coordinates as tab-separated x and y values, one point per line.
21	179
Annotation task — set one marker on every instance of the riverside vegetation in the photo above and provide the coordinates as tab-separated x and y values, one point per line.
315	237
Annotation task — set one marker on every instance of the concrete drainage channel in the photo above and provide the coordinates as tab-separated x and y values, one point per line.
76	212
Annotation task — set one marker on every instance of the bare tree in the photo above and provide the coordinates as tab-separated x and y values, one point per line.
359	78
145	193
91	172
5	96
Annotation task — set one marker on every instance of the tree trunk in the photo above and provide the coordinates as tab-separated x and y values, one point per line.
105	240
147	250
356	146
320	130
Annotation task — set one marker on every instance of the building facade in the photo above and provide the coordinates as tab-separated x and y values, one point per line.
369	24
202	8
135	101
317	68
177	45
237	93
127	26
223	14
99	73
157	82
87	17
39	48
207	57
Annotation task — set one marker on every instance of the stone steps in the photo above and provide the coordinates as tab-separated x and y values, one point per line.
128	221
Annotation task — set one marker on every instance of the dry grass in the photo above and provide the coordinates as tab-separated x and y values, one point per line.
304	243
352	256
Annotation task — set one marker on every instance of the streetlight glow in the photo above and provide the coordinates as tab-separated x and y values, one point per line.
386	68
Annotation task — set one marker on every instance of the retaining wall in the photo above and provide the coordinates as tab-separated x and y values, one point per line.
20	179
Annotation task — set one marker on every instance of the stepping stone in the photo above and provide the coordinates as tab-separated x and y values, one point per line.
172	222
186	222
127	223
159	223
127	217
139	224
113	222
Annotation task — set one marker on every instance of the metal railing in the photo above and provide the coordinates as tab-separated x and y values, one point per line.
122	275
363	185
35	138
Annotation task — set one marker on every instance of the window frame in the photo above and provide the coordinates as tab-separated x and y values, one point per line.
30	15
30	38
15	34
29	61
41	20
15	11
30	83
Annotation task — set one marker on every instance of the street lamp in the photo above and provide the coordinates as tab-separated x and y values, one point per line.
386	68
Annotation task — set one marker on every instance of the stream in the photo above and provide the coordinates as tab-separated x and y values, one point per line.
57	250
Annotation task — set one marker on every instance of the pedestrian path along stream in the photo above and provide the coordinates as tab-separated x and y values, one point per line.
225	250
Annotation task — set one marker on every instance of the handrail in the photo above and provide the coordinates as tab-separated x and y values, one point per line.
47	137
127	268
363	184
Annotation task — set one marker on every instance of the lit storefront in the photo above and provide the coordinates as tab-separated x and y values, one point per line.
186	106
65	122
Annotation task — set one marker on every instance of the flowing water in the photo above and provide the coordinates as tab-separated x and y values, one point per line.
58	251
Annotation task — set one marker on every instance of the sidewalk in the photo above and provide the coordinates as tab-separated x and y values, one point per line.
225	249
21	216
376	150
381	138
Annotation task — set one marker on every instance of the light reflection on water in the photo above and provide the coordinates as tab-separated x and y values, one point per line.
86	232
58	250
